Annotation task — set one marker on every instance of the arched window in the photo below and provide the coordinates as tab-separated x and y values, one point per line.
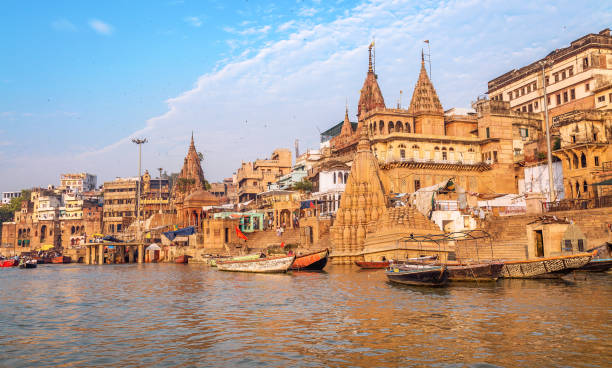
390	127
575	160
28	233
407	129
414	146
345	179
577	190
585	188
381	126
583	161
444	154
19	233
399	127
569	163
72	230
470	149
402	149
451	149
334	178
436	148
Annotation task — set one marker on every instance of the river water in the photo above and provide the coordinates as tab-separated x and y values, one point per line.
193	315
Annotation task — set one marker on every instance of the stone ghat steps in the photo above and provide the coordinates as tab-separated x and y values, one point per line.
263	239
410	217
501	251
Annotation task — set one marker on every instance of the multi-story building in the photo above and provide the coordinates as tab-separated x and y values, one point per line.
81	182
329	181
8	196
155	197
119	204
255	177
577	77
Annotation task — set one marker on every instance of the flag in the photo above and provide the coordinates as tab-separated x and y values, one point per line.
426	41
282	244
312	205
240	234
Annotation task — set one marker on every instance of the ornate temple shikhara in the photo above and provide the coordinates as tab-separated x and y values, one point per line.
361	206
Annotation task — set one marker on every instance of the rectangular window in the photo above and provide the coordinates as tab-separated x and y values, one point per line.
510	96
559	99
601	99
524	108
516	93
567	245
530	108
581	245
417	185
563	75
535	86
523	91
494	156
573	94
535	105
556	75
488	135
587	87
596	160
570	71
547	80
565	96
548	99
444	156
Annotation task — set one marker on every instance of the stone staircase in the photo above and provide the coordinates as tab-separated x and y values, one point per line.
263	239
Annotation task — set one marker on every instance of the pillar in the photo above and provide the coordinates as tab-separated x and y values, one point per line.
101	254
140	253
87	254
122	253
131	254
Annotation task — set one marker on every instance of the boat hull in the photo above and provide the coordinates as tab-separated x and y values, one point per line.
8	263
425	276
312	261
28	265
61	259
475	272
597	265
544	268
260	265
182	260
373	265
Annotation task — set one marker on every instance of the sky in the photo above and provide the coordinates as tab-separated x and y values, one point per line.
80	79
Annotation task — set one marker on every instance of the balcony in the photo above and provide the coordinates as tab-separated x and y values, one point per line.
607	166
578	204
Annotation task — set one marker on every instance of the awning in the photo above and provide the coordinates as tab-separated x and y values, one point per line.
109	238
153	247
180	232
605	182
47	247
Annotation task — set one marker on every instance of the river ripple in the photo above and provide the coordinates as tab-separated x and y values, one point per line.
186	316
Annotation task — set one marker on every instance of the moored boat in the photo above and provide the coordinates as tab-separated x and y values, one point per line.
30	263
259	265
545	268
418	275
311	261
597	265
61	259
490	271
373	264
184	259
9	263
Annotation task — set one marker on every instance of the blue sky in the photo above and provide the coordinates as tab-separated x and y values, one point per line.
78	79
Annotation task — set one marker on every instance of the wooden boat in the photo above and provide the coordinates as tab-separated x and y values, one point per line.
373	264
259	265
184	259
30	263
475	272
418	275
61	259
545	268
311	261
597	265
9	263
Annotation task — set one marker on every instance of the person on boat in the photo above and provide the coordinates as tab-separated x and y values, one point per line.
290	253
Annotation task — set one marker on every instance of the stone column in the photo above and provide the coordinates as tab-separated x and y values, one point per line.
131	254
141	253
122	253
101	254
87	254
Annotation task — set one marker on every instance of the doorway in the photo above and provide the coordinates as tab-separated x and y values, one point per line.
539	239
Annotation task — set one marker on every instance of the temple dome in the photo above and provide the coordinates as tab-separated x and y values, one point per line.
201	197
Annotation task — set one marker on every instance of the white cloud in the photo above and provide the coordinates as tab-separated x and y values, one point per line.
194	21
308	12
101	27
63	25
285	26
248	31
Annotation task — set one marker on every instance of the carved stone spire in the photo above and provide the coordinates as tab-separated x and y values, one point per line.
347	128
191	177
370	97
424	98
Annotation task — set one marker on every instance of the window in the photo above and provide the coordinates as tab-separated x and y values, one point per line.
334	178
596	160
581	245
488	133
417	185
567	245
535	105
444	156
559	99
585	62
573	94
565	96
563	74
494	156
530	108
523	91
547	80
601	99
524	132
573	138
534	86
524	109
587	87
528	88
548	100
516	93
583	160
556	75
510	96
585	187
570	71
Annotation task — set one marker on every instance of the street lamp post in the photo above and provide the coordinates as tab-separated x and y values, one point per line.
160	189
551	182
139	142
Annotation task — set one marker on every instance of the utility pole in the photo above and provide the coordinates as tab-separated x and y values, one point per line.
160	189
551	183
139	142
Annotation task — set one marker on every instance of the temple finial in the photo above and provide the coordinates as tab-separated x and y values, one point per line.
422	57
370	70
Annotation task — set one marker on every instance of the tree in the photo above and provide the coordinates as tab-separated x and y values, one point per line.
304	186
7	211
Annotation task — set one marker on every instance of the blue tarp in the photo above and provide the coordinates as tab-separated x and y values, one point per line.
180	232
112	239
308	204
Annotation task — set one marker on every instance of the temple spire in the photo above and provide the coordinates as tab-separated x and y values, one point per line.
424	97
370	97
370	69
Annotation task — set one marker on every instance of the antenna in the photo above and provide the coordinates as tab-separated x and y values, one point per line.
429	58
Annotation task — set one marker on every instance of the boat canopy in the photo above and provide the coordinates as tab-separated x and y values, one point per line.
180	232
153	247
47	247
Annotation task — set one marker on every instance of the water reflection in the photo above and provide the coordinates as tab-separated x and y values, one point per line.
177	315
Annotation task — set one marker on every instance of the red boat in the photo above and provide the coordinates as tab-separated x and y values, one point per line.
61	259
184	259
9	263
311	261
373	265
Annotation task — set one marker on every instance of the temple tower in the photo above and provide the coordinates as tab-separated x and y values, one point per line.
425	105
191	177
370	97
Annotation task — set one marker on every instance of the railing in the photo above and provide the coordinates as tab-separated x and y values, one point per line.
607	166
429	160
446	206
577	204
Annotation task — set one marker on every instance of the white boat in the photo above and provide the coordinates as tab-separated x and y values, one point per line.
259	265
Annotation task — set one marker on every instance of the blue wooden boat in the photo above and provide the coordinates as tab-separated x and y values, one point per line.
418	275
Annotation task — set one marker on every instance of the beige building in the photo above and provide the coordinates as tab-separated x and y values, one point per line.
577	78
81	182
119	204
255	177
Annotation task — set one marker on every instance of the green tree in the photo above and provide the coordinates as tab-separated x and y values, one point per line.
7	211
304	186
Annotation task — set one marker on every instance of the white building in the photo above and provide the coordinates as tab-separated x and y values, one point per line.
48	207
536	179
7	196
82	182
329	184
